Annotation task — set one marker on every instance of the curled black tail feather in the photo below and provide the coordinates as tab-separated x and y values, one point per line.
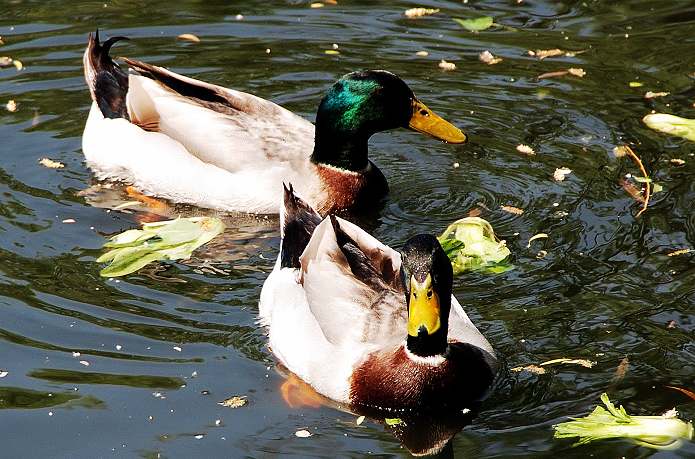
299	222
107	83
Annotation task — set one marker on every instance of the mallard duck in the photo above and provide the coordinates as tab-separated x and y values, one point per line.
368	326
193	142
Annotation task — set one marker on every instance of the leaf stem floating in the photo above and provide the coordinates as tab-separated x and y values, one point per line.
659	432
534	237
574	71
647	183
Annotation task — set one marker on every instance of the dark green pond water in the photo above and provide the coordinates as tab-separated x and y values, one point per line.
605	290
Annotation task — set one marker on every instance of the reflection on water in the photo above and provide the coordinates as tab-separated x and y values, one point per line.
600	287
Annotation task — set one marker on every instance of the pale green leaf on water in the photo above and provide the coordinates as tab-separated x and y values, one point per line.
476	24
643	180
656	188
471	244
660	432
168	240
671	124
636	84
393	421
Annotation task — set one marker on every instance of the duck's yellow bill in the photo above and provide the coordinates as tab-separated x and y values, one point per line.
423	307
426	121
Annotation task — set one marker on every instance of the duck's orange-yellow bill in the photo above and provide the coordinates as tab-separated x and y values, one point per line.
426	121
423	307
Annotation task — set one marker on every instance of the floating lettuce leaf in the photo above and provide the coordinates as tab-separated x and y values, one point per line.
167	240
671	124
660	432
475	24
470	244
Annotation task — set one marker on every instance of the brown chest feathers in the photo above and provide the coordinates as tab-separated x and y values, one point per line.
346	190
391	380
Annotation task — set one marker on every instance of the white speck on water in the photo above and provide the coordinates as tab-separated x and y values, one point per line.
84	362
76	354
302	434
118	347
218	422
199	436
3	373
50	413
177	349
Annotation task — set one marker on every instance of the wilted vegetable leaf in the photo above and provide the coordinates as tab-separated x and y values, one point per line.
661	432
671	124
475	24
470	243
168	240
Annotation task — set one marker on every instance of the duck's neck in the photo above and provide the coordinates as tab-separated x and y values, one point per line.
425	345
341	147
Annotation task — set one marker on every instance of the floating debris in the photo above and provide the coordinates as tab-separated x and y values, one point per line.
476	24
652	95
422	53
164	240
578	72
199	436
4	373
675	253
671	124
660	432
621	370
687	392
177	348
332	51
189	37
49	163
544	53
635	84
239	17
471	244
69	220
302	434
359	420
5	61
583	362
488	58
84	362
11	106
677	161
317	5
534	237
525	149
647	185
560	173
535	369
393	421
18	64
236	401
512	210
419	12
444	65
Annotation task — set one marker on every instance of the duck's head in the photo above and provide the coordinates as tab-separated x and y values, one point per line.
361	104
427	276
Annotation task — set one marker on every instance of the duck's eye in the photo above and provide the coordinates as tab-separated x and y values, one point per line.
424	112
415	295
429	294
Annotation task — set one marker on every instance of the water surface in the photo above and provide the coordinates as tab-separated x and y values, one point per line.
165	345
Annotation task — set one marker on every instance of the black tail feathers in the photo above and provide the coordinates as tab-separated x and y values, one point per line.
107	83
299	221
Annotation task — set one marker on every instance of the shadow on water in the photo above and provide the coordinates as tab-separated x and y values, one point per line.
156	351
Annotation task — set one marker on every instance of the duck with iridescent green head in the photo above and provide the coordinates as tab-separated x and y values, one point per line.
189	141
